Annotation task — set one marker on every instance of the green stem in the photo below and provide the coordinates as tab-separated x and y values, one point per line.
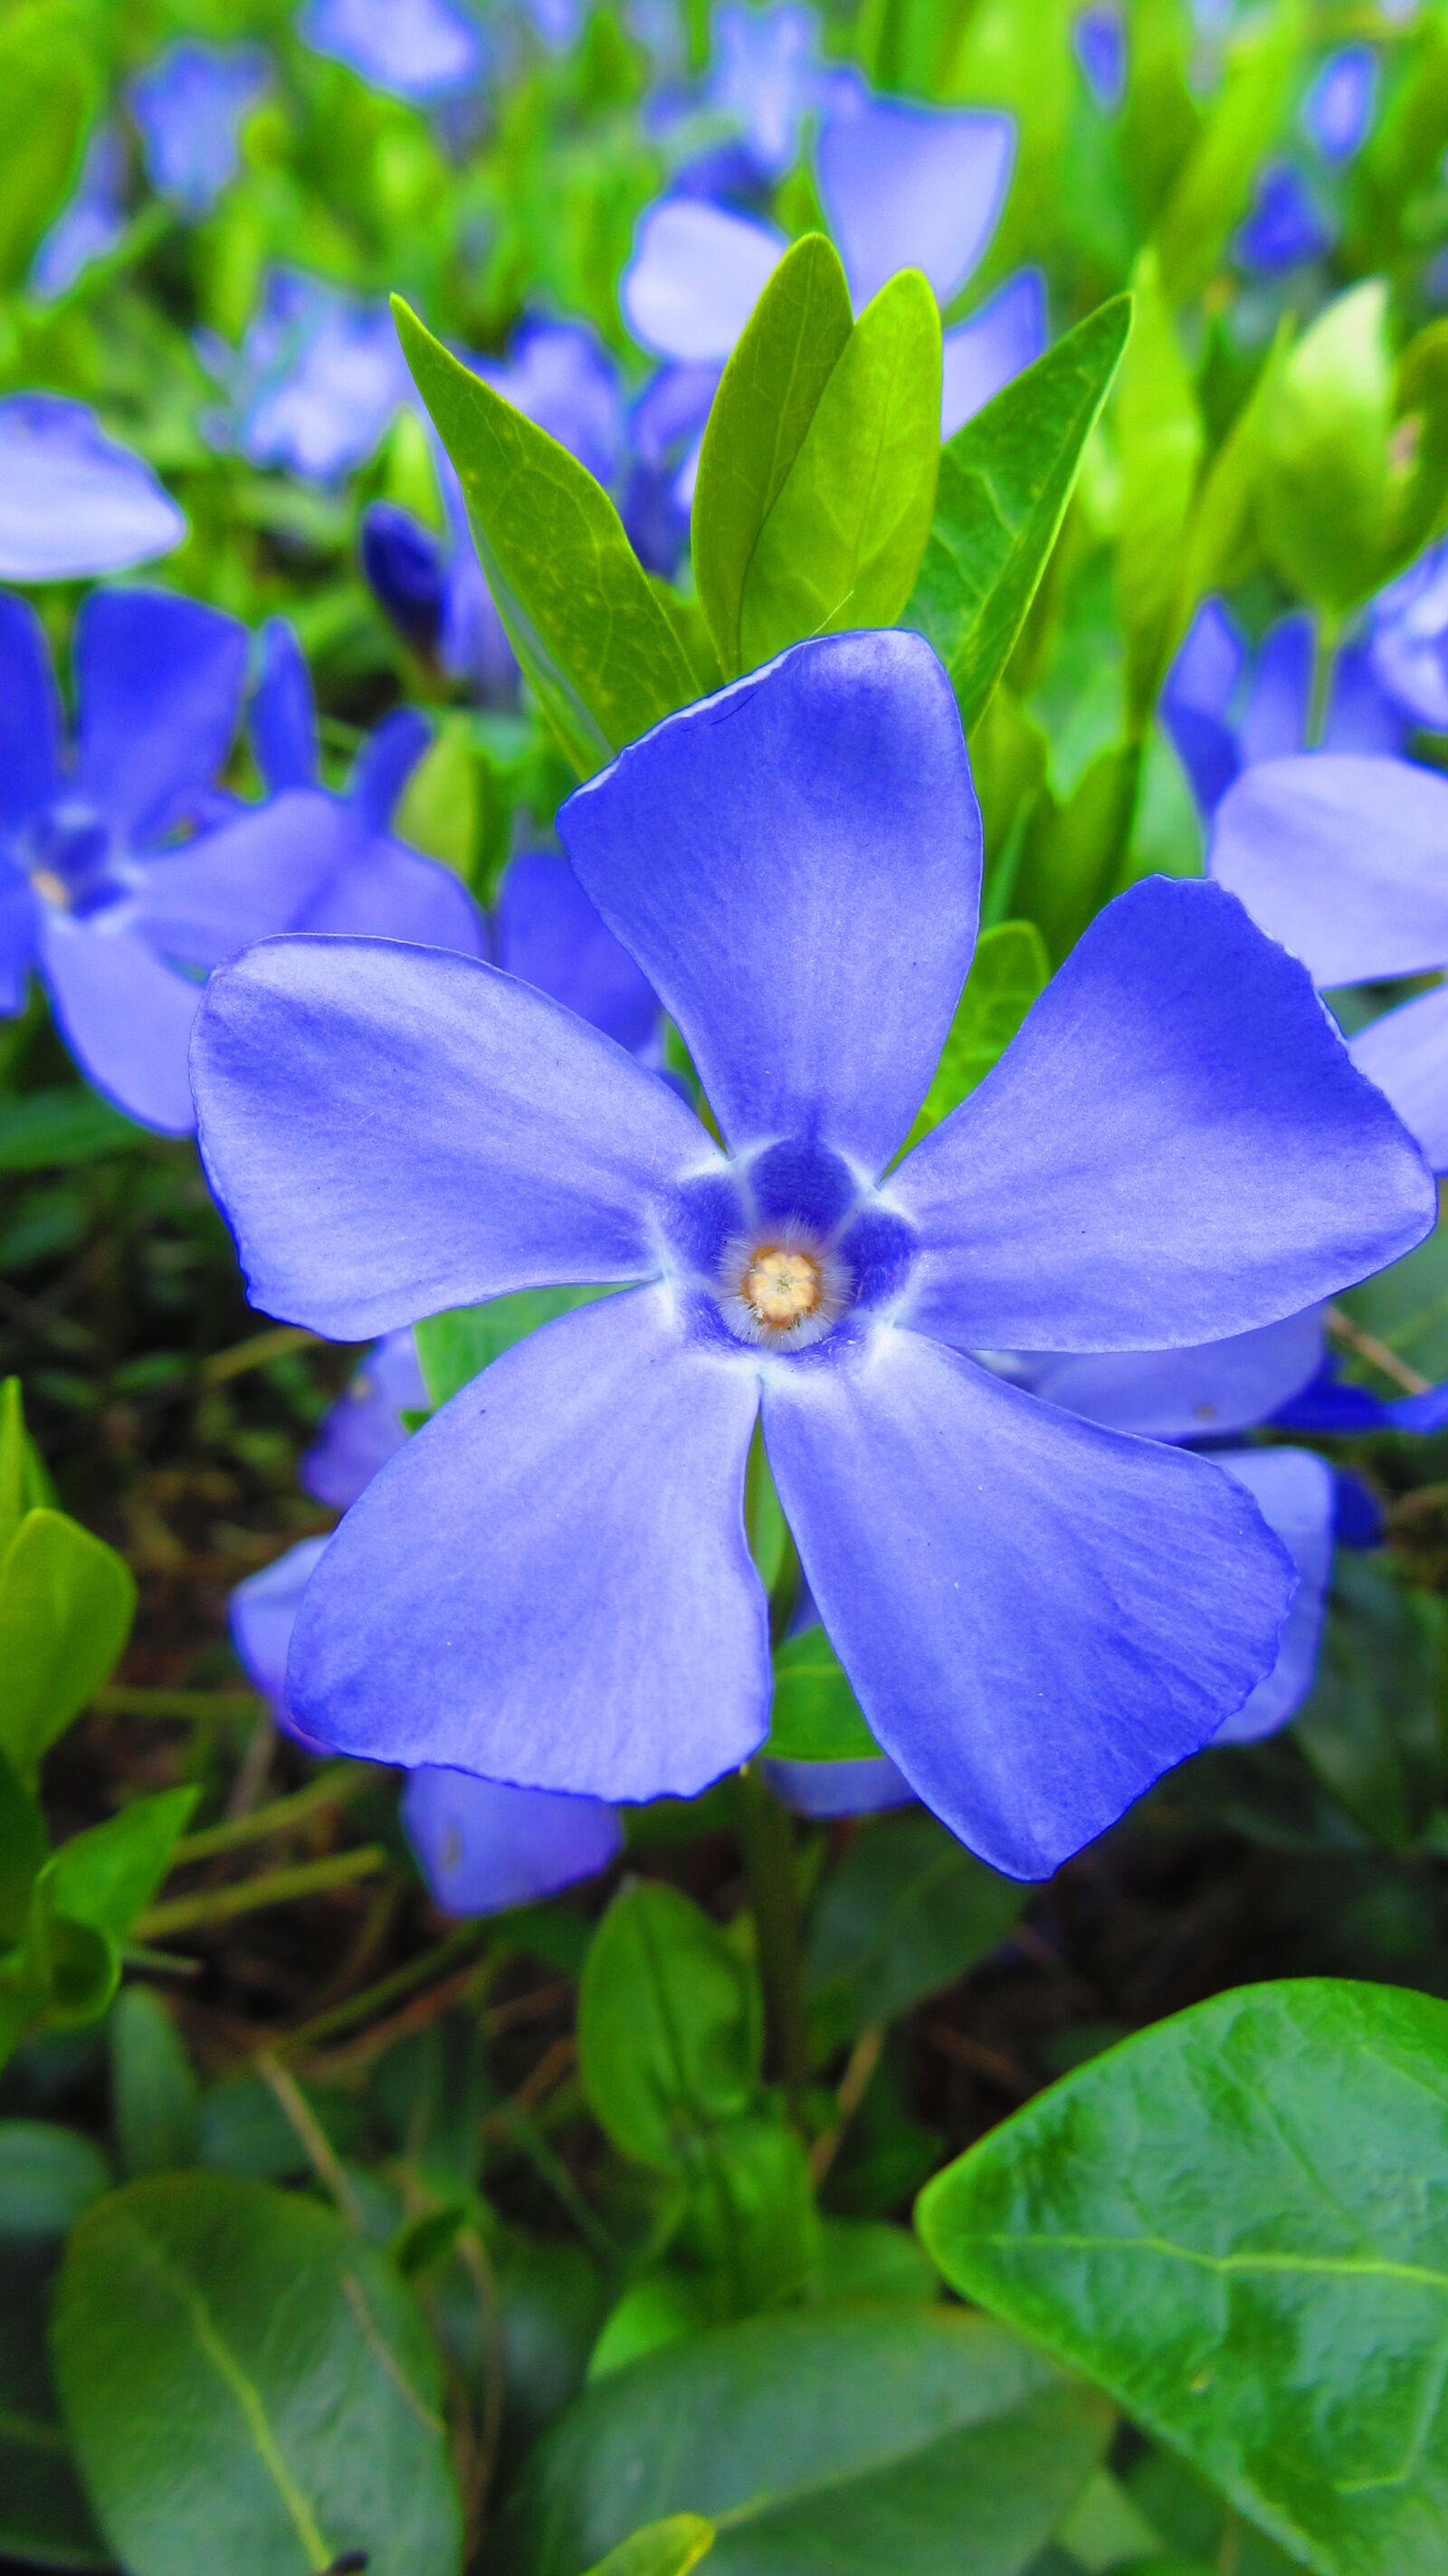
121	1699
774	1902
1324	654
334	1786
249	1895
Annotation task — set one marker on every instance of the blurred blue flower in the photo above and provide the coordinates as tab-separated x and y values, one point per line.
364	1428
480	1846
1099	38
1408	640
1291	219
188	108
414	49
765	76
434	591
1338	111
1341	859
1226	704
1285	224
902	186
315	382
90	225
1175	1148
72	502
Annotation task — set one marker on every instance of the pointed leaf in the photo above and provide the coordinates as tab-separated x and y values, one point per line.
66	1606
1159	432
816	1716
668	2548
1009	971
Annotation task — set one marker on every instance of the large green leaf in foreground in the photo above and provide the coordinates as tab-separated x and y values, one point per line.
1238	2224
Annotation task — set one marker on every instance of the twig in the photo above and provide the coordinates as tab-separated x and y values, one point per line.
373	1999
321	2154
425	2008
853	2086
1377	1354
334	1786
981	2060
255	1353
123	1699
250	1895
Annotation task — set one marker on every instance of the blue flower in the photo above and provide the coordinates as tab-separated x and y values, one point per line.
902	186
73	503
90	225
1338	111
550	1584
765	77
480	1847
414	49
315	382
364	1428
1408	640
560	374
1341	858
1285	225
1226	705
188	107
1099	38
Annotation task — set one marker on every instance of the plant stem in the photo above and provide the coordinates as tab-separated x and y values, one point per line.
774	1902
374	1999
121	1699
249	1895
333	1786
256	1352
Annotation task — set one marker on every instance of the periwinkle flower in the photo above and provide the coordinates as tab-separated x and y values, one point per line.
1226	705
420	50
550	1583
91	223
1338	111
188	106
1408	640
72	502
315	382
362	1430
1098	37
902	186
1285	225
765	76
481	1847
1341	858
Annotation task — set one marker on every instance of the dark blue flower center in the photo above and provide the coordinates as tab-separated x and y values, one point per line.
786	1251
72	861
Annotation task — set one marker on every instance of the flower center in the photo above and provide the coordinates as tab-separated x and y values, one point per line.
51	888
781	1287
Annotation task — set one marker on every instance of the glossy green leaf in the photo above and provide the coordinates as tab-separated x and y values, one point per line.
23	1847
48	74
248	2386
441	808
907	1911
1075	853
751	2219
1234	2223
1160	440
767	398
66	1606
453	1348
22	1479
858	2440
1221	541
1213	190
867	2258
593	641
816	1716
1010	971
668	2548
843	542
107	1875
48	2177
669	2027
1324	486
155	2098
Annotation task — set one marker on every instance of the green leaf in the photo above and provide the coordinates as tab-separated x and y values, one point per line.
751	2218
48	73
856	2439
48	2177
48	1131
23	1847
453	1348
248	2386
843	542
1221	541
66	1606
1074	854
867	2258
1009	972
1371	1726
1324	485
668	2548
155	2098
595	645
44	2520
1234	2223
1005	480
1406	1306
1160	438
441	808
1213	191
816	1716
23	1485
767	398
907	1911
107	1875
669	2027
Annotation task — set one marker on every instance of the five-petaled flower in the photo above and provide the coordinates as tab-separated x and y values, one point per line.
550	1584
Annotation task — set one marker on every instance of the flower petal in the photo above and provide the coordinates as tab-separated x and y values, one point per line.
30	724
1192	1394
1406	1054
696	274
73	503
550	935
550	1583
283	713
364	1427
1038	1617
246	880
385	763
413	49
1341	858
481	1846
1175	1147
1274	719
393	1131
1296	1493
159	682
795	864
980	356
262	1613
125	1017
825	1790
912	187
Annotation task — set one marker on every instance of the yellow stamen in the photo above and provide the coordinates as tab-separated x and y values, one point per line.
781	1286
